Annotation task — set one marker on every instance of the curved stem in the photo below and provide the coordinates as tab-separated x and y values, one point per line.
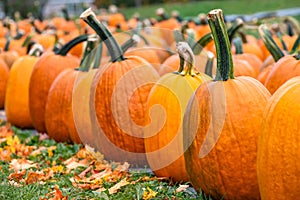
234	28
36	50
222	44
201	43
86	59
270	43
68	46
98	56
187	56
113	47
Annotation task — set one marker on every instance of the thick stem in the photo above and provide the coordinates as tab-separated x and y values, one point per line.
98	56
68	46
130	43
238	44
113	47
270	43
209	64
295	45
222	44
86	59
186	53
178	36
239	23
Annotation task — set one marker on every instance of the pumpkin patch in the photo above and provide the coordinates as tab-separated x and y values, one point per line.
208	102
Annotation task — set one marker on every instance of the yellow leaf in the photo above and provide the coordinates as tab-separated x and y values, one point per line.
148	194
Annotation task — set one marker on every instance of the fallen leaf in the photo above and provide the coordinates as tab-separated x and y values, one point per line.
20	164
149	193
116	187
17	175
181	188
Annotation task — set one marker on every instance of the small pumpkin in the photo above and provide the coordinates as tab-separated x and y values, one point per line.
4	73
46	69
164	149
17	92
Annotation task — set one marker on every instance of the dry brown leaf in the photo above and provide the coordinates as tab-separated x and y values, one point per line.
116	187
17	175
20	164
182	188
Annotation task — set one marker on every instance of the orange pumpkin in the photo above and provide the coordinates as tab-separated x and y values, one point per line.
118	95
17	92
220	127
47	68
278	147
163	142
4	73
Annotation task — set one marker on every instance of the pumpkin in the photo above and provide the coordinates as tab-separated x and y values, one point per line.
17	91
4	73
46	69
278	147
163	142
285	67
118	97
59	112
254	61
220	126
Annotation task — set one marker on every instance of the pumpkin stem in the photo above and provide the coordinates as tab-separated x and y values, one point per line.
27	40
113	47
222	44
68	46
130	43
185	52
237	42
243	36
65	14
297	55
86	59
36	50
202	42
36	29
178	36
276	29
234	28
295	45
98	56
293	23
270	43
209	63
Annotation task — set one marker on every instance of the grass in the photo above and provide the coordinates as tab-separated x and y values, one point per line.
192	9
15	187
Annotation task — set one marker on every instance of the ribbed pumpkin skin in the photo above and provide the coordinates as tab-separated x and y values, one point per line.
230	167
4	73
252	59
285	68
44	73
17	92
118	78
278	158
164	149
59	118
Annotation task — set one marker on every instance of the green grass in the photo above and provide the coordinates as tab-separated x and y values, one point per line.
165	188
192	9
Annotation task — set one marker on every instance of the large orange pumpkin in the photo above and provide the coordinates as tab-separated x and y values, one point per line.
278	158
220	127
118	97
47	68
17	92
163	142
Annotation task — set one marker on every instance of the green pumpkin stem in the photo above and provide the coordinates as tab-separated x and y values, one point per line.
178	36
98	56
276	29
186	56
36	50
222	44
270	43
130	43
295	45
27	40
63	51
87	58
209	64
239	23
238	44
297	55
113	47
202	42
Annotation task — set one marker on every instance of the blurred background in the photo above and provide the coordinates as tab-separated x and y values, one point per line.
145	8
